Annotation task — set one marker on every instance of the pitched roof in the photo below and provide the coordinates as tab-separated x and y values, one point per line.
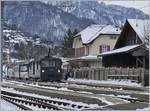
140	26
121	50
93	31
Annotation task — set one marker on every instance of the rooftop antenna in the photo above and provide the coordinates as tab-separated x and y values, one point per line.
1	40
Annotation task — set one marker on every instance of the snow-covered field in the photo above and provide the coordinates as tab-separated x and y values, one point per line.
144	109
112	82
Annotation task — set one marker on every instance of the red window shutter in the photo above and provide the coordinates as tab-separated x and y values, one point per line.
79	52
83	51
100	49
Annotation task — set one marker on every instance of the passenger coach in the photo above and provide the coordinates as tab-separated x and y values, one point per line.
46	69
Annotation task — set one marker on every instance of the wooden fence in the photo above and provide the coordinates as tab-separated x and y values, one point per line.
135	74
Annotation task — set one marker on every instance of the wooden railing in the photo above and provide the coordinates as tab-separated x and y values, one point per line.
135	74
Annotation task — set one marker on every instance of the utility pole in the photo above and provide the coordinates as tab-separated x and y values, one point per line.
1	39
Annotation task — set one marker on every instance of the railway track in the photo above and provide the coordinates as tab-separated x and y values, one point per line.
23	100
63	82
20	106
134	96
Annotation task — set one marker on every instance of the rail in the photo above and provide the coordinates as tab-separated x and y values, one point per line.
45	103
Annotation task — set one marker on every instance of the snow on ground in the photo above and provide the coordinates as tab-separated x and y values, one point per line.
120	96
36	85
105	101
145	109
113	82
47	97
85	92
125	96
6	106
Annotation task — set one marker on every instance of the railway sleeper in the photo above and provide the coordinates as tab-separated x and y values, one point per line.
48	102
38	103
18	105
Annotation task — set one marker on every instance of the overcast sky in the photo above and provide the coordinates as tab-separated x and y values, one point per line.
139	4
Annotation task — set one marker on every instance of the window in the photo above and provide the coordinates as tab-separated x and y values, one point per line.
51	63
47	63
104	48
23	68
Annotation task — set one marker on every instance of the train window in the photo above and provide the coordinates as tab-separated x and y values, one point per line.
58	63
52	63
45	63
23	68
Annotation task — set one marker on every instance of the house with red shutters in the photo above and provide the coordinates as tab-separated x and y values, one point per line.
92	41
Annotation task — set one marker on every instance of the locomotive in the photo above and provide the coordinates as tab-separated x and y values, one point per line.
51	69
45	69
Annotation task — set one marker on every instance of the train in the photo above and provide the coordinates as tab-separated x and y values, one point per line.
46	69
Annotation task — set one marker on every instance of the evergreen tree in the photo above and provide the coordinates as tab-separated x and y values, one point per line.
68	51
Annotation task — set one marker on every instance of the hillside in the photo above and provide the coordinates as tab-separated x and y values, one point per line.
51	21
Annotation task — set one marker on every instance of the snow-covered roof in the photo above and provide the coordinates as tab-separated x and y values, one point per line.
88	57
93	31
121	50
140	26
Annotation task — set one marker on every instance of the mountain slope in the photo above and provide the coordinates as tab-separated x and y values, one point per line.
45	20
52	22
102	13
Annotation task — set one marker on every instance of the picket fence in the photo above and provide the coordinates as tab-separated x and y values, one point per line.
140	75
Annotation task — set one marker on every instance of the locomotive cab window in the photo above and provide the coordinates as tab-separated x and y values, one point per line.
47	63
23	68
51	63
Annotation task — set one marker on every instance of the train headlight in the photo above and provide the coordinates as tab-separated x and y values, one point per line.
42	70
58	70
